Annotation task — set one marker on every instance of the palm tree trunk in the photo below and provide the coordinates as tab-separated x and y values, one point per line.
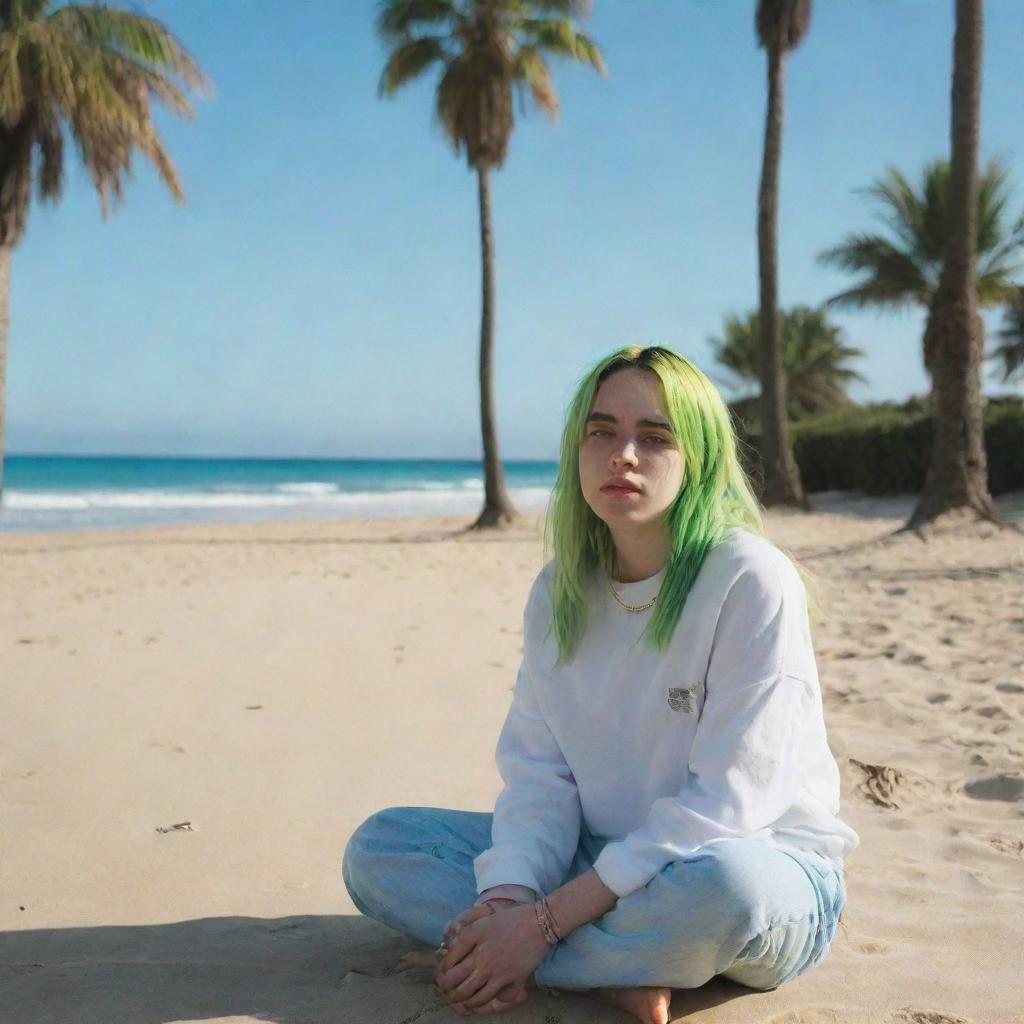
498	509
781	476
957	474
5	295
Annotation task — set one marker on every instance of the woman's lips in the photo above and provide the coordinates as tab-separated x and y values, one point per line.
619	492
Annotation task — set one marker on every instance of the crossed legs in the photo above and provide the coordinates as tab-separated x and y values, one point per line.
743	908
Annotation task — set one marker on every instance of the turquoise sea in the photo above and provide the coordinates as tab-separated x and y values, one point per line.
67	492
61	492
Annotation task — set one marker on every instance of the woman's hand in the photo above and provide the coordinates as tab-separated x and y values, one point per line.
510	997
490	955
470	914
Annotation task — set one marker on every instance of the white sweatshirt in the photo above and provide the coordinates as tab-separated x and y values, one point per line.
721	736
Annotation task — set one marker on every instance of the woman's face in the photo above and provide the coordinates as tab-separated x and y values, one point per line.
628	435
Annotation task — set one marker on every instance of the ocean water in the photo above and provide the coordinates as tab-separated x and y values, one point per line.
56	492
68	492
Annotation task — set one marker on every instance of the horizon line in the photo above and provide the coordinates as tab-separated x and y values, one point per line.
266	458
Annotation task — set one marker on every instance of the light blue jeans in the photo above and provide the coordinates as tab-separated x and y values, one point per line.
744	909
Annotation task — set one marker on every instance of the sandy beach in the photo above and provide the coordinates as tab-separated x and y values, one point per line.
195	719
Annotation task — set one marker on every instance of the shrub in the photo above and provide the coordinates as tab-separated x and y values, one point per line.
884	448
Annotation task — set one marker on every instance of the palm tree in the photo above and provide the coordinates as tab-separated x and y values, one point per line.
95	69
814	358
1011	350
903	270
957	474
487	51
781	26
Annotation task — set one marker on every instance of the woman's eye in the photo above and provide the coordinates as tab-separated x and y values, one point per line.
650	437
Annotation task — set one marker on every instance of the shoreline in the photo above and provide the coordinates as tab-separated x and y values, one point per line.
845	503
865	517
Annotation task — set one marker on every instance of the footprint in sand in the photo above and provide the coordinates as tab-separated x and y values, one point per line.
170	746
1005	844
871	947
898	824
1009	688
914	658
997	787
912	1015
881	782
807	1015
992	711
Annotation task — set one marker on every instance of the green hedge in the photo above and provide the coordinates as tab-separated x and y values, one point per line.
884	449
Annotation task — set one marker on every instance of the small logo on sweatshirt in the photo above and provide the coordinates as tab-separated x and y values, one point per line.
684	698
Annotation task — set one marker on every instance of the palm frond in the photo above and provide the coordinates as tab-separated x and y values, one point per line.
532	68
993	199
1010	350
396	19
561	37
562	8
54	64
901	210
994	289
935	186
131	35
1003	253
50	139
110	123
12	97
1011	355
894	279
14	13
408	60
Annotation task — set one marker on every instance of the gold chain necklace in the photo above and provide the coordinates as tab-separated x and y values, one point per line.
628	607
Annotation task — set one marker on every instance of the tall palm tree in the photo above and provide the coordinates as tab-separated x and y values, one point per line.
93	69
814	360
957	474
781	26
1011	349
903	269
487	51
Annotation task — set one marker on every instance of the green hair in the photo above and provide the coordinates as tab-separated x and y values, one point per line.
715	495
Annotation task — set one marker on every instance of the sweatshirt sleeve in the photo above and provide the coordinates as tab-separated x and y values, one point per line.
537	816
519	893
745	763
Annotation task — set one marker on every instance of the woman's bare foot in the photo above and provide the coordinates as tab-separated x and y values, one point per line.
423	961
417	958
648	1004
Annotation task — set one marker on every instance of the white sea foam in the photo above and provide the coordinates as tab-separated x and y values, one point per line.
53	510
313	487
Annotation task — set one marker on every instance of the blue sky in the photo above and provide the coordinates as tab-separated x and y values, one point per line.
318	295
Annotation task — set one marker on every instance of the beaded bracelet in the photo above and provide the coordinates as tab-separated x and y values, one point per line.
546	920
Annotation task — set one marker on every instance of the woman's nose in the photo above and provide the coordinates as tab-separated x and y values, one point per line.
627	453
